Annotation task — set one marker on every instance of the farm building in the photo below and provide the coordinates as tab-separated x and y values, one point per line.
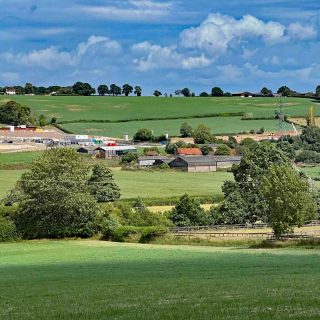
245	94
152	160
194	163
114	151
10	91
87	150
188	152
226	161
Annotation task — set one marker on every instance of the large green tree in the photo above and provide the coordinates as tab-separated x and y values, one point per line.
127	89
103	89
55	200
83	89
15	113
284	91
115	90
217	92
288	198
202	134
185	130
102	185
137	91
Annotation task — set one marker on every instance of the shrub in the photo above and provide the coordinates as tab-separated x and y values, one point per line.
308	157
150	233
223	150
202	134
8	231
129	158
205	149
143	135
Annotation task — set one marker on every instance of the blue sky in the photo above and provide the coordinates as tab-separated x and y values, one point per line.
166	45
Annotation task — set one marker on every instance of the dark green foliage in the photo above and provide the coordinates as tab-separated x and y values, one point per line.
306	156
151	149
205	149
265	91
103	89
287	149
143	135
53	120
102	185
260	131
202	134
149	234
216	92
223	150
204	94
115	90
137	91
15	114
83	89
284	91
310	139
188	212
186	92
127	89
8	231
157	93
317	93
185	130
56	202
129	158
42	120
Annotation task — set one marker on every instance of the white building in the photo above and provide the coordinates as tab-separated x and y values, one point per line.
10	91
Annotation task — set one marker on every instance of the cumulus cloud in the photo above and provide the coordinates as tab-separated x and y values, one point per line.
301	32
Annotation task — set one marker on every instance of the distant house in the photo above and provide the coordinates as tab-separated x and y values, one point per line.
188	152
226	161
194	163
87	150
152	160
11	91
245	94
114	151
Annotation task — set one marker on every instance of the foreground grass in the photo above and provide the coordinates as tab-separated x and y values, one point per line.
99	280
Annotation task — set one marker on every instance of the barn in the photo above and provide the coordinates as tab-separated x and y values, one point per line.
194	163
114	151
87	150
223	162
151	160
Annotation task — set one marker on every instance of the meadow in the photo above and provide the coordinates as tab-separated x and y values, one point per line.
99	280
72	108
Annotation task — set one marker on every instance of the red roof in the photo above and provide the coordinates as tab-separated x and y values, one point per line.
189	152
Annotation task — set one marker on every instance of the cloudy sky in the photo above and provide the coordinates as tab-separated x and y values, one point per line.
165	45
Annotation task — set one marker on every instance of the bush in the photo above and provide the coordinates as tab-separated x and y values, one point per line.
129	158
223	150
8	231
308	157
143	135
150	233
205	149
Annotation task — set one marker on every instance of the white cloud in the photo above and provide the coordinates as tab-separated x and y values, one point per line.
274	60
300	32
195	62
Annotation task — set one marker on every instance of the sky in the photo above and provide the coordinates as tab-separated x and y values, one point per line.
165	45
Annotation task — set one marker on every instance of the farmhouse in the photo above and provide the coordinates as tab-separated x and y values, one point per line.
114	151
245	94
87	150
188	152
152	160
226	161
194	163
11	91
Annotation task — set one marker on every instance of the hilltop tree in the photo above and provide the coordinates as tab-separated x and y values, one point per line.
55	201
157	93
284	91
83	89
178	92
185	130
204	94
202	134
288	199
186	92
265	91
137	91
127	89
216	92
102	185
29	88
115	90
103	89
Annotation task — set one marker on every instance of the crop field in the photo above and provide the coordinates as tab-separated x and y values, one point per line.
218	125
135	184
100	280
19	157
72	108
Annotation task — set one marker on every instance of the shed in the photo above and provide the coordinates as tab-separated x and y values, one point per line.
194	163
87	150
114	151
151	160
226	161
189	152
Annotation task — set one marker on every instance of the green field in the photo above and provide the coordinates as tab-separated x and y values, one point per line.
218	125
19	157
126	108
148	184
100	280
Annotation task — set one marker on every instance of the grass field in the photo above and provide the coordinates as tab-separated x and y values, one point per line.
126	108
148	184
218	125
99	280
19	157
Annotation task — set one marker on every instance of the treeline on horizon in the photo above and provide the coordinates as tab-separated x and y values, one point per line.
86	89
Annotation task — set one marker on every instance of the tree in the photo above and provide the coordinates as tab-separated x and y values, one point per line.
265	91
157	93
317	91
178	92
42	120
216	92
137	91
202	134
185	130
129	158
222	150
204	94
103	89
188	212
102	185
186	92
14	113
205	149
55	201
143	135
287	149
284	91
115	90
127	89
83	89
288	199
29	88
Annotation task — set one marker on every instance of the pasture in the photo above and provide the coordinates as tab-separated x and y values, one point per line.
99	280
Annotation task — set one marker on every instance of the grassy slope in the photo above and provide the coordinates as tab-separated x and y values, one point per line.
217	125
122	108
96	280
19	157
148	184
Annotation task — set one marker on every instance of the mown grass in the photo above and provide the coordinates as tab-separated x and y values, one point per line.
224	125
19	157
97	280
126	108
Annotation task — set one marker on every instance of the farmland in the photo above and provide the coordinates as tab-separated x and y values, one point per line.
101	280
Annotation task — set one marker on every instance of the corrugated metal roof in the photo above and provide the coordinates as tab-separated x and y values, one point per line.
153	158
116	148
198	160
226	158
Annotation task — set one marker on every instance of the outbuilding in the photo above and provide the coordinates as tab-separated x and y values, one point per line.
223	162
114	151
87	150
194	163
149	161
